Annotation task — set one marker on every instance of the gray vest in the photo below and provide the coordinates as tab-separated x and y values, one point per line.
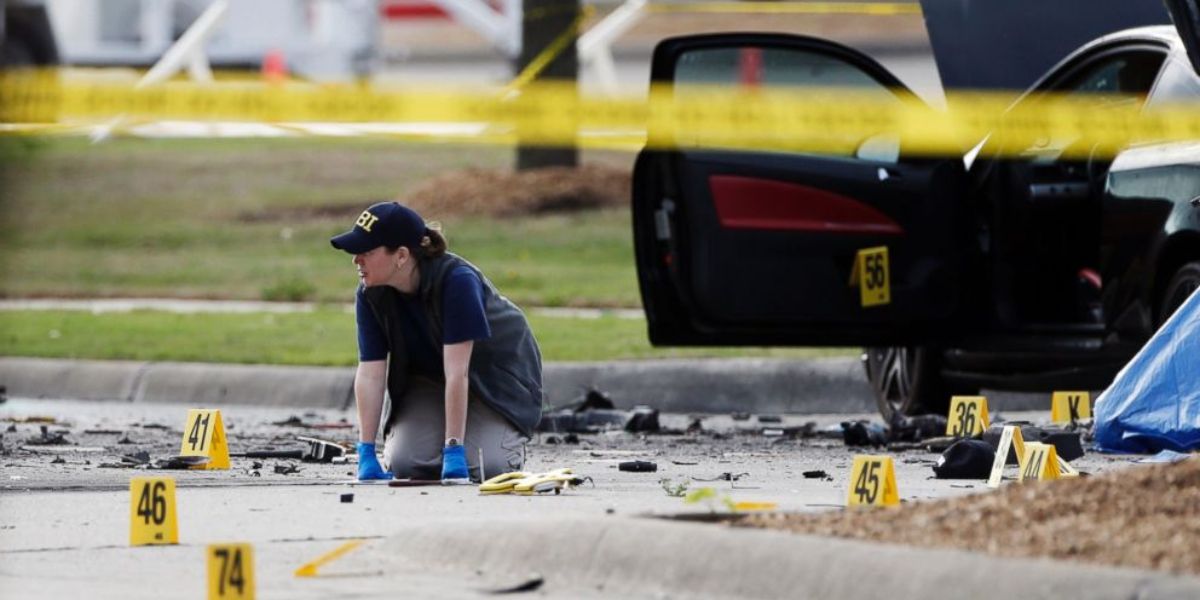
505	370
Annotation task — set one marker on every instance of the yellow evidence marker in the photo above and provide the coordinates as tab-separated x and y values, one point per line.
1069	407
870	273
231	571
152	511
1041	462
873	482
204	435
1010	437
968	416
1065	469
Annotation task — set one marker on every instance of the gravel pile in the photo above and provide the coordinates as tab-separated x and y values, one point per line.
506	193
1144	517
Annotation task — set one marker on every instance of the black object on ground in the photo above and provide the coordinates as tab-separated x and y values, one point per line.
864	433
727	476
347	498
642	419
818	474
596	413
638	466
916	429
1067	444
529	585
294	454
966	459
770	419
141	457
3	394
740	416
287	469
594	399
181	462
48	438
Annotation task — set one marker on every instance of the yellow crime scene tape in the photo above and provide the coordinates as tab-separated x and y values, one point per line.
766	119
857	8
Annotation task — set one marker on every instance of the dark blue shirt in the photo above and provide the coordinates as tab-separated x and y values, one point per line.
463	319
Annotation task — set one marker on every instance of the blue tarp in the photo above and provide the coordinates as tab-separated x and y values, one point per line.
1154	402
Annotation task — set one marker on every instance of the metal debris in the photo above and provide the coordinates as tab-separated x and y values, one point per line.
727	476
49	438
286	469
140	457
180	462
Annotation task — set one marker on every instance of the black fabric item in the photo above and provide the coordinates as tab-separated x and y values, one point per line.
1067	444
864	433
966	459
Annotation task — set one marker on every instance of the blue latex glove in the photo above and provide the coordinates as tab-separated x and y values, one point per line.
368	464
454	462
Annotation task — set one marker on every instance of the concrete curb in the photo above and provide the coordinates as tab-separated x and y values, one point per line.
649	557
702	386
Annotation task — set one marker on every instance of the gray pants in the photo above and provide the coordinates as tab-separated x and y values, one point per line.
412	446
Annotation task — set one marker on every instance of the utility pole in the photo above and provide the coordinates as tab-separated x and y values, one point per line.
542	22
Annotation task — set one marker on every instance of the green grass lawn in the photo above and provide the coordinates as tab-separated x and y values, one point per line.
323	337
251	219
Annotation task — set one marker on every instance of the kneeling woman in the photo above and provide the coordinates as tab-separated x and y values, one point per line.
461	368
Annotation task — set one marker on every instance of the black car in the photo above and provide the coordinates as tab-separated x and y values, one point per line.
1030	273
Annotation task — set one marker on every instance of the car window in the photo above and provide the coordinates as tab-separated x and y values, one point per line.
1115	80
789	69
1126	73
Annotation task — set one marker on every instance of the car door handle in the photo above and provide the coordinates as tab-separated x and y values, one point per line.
886	174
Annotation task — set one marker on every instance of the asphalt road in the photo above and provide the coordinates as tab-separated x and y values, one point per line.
65	509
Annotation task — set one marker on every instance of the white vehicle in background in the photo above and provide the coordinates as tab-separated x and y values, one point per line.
318	39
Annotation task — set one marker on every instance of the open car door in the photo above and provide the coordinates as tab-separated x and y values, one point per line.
758	248
1186	16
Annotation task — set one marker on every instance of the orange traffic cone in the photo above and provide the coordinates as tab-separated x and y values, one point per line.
274	66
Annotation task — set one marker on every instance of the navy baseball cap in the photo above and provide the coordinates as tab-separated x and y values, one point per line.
384	224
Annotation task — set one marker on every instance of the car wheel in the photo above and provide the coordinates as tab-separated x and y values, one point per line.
906	380
1182	284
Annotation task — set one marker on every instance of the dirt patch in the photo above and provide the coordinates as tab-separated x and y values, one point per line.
1144	517
485	192
505	193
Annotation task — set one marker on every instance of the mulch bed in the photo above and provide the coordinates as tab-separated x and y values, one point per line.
506	193
1146	516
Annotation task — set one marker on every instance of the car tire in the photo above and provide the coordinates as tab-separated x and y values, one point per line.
1182	284
906	380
